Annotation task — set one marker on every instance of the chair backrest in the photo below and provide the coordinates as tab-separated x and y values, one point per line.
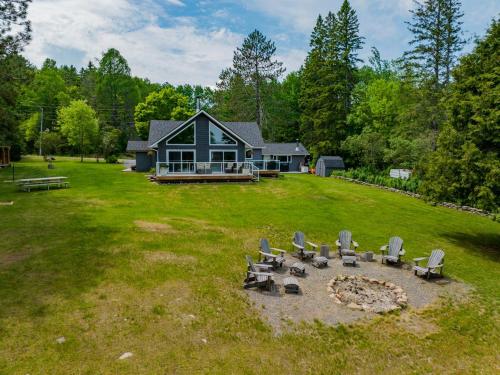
395	246
345	238
299	238
264	245
251	267
436	258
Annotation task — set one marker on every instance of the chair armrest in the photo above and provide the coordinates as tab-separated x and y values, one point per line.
438	266
356	245
263	266
402	252
337	243
260	273
278	250
268	254
417	260
298	246
312	244
383	249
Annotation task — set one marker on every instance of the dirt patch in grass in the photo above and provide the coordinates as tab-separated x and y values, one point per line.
200	224
417	324
149	226
11	258
314	301
7	203
168	257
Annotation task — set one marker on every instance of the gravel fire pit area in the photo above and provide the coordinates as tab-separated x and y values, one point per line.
338	294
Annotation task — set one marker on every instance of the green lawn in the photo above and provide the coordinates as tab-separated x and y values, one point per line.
118	264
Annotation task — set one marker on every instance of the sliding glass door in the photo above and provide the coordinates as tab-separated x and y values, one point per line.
181	161
223	161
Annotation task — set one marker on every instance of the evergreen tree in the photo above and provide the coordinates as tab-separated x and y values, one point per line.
466	165
436	29
328	80
253	62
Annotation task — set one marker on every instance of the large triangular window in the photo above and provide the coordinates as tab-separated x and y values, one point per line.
218	137
185	137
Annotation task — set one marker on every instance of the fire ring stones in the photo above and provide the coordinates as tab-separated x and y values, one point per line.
367	294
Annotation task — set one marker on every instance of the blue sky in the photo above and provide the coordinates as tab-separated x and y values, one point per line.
189	41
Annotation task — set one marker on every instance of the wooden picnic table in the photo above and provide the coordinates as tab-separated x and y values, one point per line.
27	184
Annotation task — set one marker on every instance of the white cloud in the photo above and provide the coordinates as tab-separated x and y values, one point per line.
181	53
178	3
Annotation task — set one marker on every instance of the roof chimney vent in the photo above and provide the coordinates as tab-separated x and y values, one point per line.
198	106
297	148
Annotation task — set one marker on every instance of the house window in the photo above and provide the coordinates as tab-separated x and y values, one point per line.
218	137
248	153
180	161
222	156
282	158
185	137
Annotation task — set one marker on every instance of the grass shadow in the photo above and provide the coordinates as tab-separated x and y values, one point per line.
484	244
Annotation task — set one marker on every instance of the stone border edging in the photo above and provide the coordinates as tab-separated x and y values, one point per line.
472	210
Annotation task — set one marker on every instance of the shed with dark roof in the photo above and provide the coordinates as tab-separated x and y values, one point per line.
327	164
143	155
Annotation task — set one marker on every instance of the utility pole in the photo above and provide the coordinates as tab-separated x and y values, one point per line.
41	131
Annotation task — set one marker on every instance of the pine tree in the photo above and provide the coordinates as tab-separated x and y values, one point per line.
436	29
328	79
253	61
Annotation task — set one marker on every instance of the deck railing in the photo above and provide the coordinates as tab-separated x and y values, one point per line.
189	167
267	165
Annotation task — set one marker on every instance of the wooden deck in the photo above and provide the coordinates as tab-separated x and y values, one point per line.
269	173
196	178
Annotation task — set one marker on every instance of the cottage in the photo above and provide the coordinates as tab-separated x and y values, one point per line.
203	145
327	164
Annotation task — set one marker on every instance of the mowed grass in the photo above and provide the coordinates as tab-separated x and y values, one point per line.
116	264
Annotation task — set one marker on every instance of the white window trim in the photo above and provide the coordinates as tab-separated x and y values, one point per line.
182	150
183	130
220	144
249	149
235	151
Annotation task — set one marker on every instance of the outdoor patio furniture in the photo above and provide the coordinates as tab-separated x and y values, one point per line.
320	262
349	259
393	252
435	264
324	251
291	285
298	269
266	252
344	243
256	278
299	243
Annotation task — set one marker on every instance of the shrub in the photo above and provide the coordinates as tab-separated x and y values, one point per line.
377	178
111	159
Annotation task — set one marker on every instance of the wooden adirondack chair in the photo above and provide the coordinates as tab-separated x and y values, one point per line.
299	243
267	254
435	264
344	244
256	278
393	252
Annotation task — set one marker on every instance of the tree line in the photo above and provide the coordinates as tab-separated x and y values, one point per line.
429	110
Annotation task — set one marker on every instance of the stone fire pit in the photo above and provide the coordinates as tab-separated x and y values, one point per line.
363	293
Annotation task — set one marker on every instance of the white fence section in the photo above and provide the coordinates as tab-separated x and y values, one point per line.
400	173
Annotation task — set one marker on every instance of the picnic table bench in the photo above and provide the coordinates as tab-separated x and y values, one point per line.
27	184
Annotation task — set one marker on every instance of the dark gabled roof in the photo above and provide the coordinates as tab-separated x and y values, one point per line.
332	161
284	149
137	146
249	132
160	128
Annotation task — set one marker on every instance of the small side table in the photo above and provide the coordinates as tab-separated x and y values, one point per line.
349	259
324	251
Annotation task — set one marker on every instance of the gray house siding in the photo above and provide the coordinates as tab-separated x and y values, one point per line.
143	162
257	154
295	163
202	146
